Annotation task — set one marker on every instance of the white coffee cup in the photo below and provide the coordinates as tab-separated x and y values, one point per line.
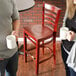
63	33
11	42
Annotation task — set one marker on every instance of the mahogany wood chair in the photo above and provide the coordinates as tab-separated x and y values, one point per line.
39	33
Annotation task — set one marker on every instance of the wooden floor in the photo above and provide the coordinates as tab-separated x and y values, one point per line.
46	68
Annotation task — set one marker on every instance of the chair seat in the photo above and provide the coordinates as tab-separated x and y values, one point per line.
39	32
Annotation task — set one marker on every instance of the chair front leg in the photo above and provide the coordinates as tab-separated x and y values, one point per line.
37	57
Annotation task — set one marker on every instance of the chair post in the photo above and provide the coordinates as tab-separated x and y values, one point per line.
54	47
57	19
43	14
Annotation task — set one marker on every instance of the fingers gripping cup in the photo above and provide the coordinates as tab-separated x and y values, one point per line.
11	42
63	33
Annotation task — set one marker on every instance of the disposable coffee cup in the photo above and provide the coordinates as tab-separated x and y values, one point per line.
11	42
63	33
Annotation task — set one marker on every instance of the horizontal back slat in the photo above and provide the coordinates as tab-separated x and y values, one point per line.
51	7
49	19
48	22
49	13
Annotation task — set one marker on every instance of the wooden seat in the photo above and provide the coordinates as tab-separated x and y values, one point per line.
39	33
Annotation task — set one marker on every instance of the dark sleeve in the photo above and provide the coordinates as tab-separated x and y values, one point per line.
67	44
71	24
73	29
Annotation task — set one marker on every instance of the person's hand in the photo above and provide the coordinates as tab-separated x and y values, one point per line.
70	35
15	34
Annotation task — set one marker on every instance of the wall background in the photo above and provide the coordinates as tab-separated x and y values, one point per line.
33	16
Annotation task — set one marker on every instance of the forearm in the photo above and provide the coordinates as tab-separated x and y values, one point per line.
75	37
16	25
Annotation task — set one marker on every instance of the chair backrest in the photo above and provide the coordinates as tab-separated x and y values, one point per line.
50	16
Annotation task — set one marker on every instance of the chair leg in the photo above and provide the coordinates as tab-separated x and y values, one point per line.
25	48
54	47
43	47
37	57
